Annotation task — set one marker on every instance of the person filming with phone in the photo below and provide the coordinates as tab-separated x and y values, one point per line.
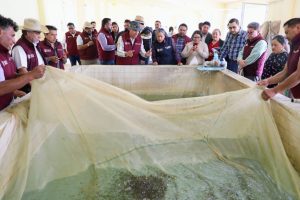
196	51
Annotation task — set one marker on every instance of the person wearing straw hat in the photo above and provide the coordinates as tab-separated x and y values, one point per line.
26	52
140	20
86	45
130	46
9	82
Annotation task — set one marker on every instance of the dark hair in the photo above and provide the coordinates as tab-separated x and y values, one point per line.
171	28
206	23
127	21
292	22
196	32
279	39
105	21
234	20
114	23
70	24
253	25
158	21
200	25
7	22
51	28
183	24
93	22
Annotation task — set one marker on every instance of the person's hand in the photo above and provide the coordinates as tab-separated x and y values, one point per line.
37	72
155	63
195	47
216	62
129	53
268	93
179	63
19	93
242	63
264	82
53	59
90	43
148	53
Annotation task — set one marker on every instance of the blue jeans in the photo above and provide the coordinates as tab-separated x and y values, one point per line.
232	65
73	60
107	62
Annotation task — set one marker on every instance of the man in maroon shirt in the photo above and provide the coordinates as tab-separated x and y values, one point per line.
71	45
289	77
52	49
9	82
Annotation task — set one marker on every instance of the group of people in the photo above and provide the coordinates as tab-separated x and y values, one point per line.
244	51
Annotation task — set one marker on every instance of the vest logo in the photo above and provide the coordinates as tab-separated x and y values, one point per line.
29	56
47	50
168	47
4	62
138	43
160	50
127	43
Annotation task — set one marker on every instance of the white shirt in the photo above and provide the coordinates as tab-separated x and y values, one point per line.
20	56
2	78
120	47
79	40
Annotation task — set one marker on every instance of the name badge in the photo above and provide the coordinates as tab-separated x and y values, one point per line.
168	47
4	62
29	56
160	50
47	50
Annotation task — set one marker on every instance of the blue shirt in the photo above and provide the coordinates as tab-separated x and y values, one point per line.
233	45
179	46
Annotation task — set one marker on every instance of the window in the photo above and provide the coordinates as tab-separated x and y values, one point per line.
253	13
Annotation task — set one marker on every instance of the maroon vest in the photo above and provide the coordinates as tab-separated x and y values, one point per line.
47	51
71	43
106	55
136	46
292	63
9	68
91	52
32	60
186	39
256	68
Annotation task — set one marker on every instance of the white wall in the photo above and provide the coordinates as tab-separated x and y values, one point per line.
169	12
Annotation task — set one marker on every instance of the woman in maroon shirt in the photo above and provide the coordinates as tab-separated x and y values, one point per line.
216	44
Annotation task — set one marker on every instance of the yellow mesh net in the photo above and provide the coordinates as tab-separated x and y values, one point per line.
86	139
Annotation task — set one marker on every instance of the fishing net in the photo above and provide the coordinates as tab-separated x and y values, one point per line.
86	139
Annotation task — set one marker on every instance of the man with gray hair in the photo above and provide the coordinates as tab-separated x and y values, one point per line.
252	57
